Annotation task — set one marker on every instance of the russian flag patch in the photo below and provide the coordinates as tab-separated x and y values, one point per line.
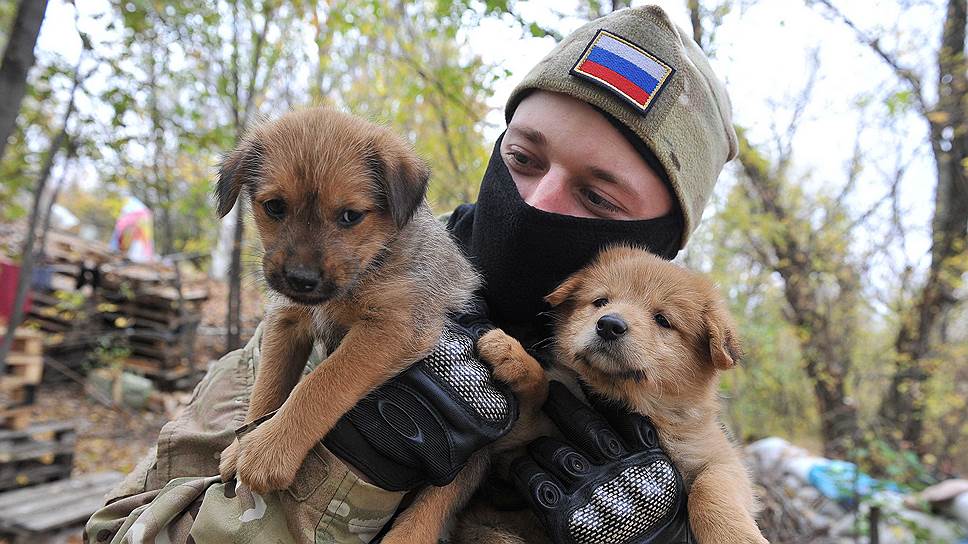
621	66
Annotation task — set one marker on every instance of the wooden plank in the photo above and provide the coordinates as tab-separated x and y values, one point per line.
44	451
25	341
15	392
14	477
15	418
28	367
21	514
152	369
70	514
55	427
10	501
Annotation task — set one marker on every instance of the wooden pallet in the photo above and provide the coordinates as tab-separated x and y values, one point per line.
25	369
30	514
167	379
40	453
15	418
26	341
30	368
15	392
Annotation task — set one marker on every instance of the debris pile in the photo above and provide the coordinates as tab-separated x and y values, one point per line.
809	499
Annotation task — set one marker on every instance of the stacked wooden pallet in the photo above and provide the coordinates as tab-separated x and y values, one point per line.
40	453
158	319
25	369
63	297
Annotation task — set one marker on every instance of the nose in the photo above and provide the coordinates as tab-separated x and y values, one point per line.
551	193
302	279
611	326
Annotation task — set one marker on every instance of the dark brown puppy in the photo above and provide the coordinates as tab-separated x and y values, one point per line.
654	336
353	257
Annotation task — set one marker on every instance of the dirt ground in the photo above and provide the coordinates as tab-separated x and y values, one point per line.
107	438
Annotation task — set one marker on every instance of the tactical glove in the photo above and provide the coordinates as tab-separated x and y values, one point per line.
422	426
612	483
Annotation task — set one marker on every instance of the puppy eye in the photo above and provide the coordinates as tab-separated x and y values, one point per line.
662	321
599	302
275	207
348	218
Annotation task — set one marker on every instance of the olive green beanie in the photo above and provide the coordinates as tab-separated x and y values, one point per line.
614	62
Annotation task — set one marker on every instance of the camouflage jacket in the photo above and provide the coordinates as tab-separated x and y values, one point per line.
175	495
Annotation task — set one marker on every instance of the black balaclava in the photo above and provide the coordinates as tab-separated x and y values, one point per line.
524	253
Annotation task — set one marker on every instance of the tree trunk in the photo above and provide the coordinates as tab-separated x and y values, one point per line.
234	321
27	254
18	57
40	252
902	408
825	326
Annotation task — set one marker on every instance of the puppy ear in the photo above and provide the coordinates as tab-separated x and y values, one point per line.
402	179
725	350
239	167
565	291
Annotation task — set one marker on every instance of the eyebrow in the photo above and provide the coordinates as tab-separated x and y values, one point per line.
607	176
530	134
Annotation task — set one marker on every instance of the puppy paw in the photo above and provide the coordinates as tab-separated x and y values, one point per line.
410	530
267	460
227	461
512	364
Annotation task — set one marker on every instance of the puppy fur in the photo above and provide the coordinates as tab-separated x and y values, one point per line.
665	366
352	257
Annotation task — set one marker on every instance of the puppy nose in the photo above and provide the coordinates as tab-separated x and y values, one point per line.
611	326
302	280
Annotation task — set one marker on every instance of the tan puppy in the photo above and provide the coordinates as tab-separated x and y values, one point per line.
655	336
352	257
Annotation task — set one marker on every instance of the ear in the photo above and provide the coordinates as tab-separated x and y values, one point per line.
725	349
239	167
401	177
565	291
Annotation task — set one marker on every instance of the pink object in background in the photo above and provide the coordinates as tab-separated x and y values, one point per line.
133	232
9	273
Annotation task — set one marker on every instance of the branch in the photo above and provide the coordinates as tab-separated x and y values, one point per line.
904	73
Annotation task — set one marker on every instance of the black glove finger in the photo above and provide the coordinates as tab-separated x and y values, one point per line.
542	491
582	426
474	321
636	430
564	462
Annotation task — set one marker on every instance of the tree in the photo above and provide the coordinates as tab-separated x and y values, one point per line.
802	239
18	57
27	253
903	405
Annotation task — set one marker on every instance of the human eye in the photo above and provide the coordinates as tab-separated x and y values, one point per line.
598	202
521	160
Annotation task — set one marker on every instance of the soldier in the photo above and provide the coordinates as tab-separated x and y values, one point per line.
618	135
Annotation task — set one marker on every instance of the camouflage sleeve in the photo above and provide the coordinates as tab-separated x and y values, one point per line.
174	494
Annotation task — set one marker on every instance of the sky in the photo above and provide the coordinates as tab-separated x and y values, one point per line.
762	53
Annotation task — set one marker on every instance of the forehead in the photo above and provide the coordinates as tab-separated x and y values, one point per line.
566	122
315	167
649	281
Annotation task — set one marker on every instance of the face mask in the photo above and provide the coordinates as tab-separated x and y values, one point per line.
524	253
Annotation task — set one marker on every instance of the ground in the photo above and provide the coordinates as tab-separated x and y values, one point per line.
107	438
